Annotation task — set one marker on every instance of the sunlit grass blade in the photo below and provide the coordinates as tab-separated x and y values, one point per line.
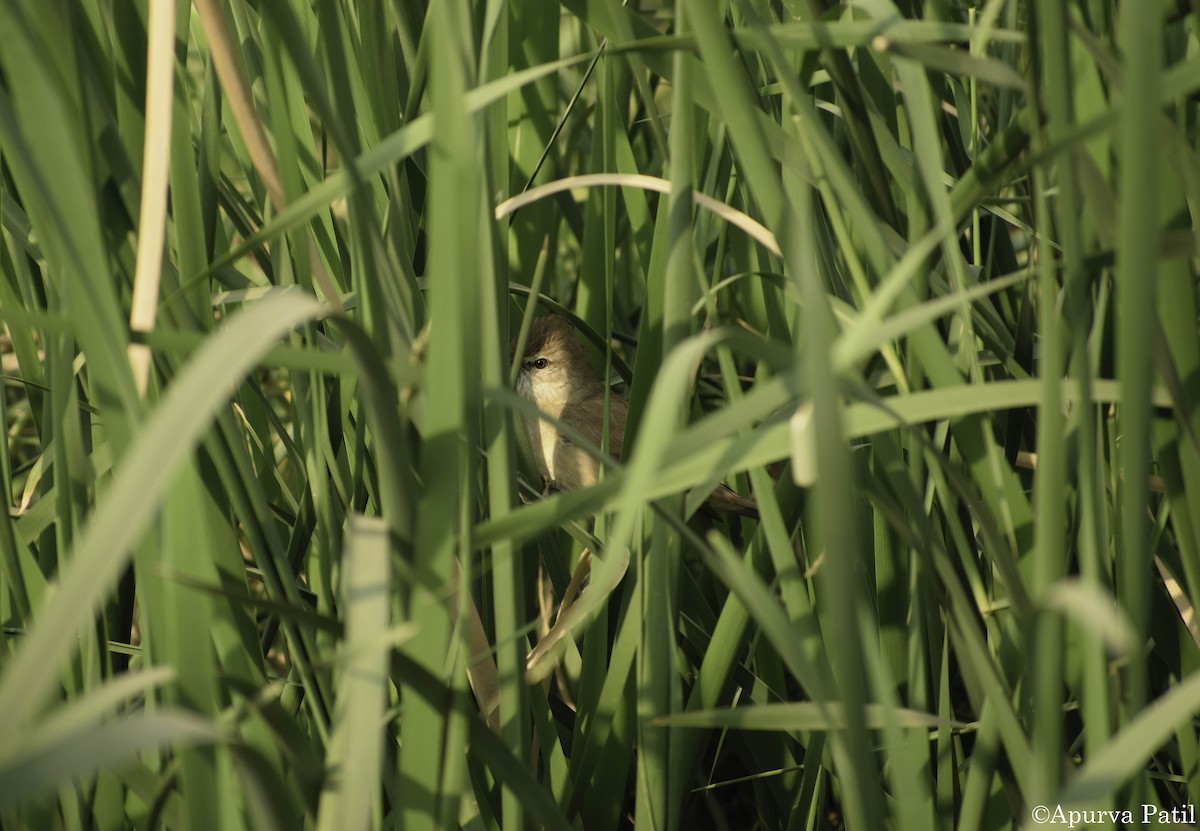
354	761
104	547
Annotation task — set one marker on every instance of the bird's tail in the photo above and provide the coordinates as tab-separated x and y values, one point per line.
727	501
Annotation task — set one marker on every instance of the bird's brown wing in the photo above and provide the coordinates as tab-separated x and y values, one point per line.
587	416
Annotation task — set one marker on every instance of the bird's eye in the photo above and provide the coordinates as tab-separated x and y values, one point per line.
540	363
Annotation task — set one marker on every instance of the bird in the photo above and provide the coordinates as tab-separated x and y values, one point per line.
555	375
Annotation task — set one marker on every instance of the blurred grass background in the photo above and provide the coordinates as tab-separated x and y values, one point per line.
920	276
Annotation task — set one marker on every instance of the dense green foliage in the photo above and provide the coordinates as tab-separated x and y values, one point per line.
917	275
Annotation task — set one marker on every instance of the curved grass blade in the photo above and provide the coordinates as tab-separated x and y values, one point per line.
105	546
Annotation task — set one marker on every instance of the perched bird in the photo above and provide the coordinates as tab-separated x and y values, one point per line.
556	376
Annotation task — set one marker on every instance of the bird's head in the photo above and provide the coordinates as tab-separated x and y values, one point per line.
554	369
